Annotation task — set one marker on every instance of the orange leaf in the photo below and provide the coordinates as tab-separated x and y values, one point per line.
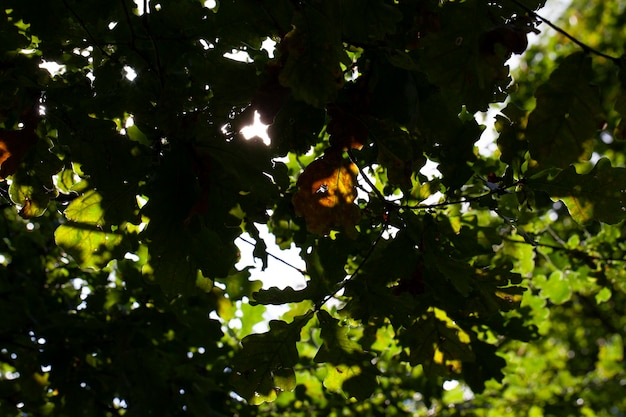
326	194
13	146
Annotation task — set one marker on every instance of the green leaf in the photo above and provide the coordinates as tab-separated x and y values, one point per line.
137	135
395	93
337	347
285	379
611	357
265	362
436	344
32	186
557	288
277	296
30	195
88	244
296	127
511	142
86	236
397	153
561	128
238	284
251	315
460	274
448	140
359	383
313	54
453	58
487	365
599	195
348	366
603	295
369	20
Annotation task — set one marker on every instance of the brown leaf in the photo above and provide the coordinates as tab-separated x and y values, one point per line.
326	194
346	130
13	146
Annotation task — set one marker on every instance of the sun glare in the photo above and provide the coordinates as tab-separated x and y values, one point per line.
256	129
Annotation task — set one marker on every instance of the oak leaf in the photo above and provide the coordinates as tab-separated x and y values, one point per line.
13	146
326	194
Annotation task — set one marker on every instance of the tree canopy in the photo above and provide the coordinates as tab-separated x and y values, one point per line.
493	285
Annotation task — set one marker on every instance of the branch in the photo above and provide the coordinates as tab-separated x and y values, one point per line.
576	253
584	46
391	206
83	25
495	191
303	272
345	282
381	197
157	57
133	37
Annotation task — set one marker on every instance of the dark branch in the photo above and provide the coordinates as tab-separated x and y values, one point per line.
392	206
83	25
381	197
576	253
496	191
345	282
303	272
134	37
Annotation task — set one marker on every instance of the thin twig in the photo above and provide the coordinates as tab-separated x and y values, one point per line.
134	37
574	252
392	206
448	203
369	182
83	25
555	236
497	191
358	268
303	272
584	46
155	48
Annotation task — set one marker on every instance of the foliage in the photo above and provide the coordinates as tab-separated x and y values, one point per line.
493	287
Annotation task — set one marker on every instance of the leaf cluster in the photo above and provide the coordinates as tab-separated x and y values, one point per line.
127	185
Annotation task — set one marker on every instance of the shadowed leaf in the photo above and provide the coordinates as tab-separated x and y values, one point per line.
561	129
599	195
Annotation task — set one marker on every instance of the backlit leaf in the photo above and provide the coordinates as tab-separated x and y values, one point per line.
326	194
265	362
85	235
348	366
598	195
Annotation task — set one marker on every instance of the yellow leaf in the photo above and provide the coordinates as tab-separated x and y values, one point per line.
326	194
